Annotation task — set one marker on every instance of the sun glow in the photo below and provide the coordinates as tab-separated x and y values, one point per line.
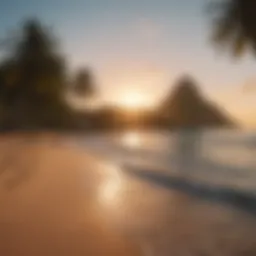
133	100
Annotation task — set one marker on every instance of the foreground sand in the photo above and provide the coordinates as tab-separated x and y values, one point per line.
47	202
59	200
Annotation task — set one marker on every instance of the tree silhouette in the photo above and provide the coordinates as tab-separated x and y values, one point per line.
33	79
84	84
234	25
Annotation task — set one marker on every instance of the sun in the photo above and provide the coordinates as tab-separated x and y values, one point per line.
133	100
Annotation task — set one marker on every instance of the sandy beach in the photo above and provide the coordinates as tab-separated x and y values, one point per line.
60	200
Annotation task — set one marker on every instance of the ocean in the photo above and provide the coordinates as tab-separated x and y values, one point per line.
218	157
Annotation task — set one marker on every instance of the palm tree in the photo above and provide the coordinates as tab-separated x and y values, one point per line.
33	78
84	83
234	25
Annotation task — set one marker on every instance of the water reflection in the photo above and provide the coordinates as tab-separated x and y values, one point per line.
111	187
188	150
131	139
217	159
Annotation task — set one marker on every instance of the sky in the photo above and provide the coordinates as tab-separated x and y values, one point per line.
142	46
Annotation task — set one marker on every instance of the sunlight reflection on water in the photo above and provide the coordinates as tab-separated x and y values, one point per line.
131	139
110	192
225	158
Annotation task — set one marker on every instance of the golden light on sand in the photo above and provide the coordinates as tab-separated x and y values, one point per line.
111	187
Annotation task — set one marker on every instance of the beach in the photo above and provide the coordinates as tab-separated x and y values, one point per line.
61	199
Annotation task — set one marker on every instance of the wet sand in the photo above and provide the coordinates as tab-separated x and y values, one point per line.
60	200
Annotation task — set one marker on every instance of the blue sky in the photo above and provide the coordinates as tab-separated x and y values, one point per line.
142	45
